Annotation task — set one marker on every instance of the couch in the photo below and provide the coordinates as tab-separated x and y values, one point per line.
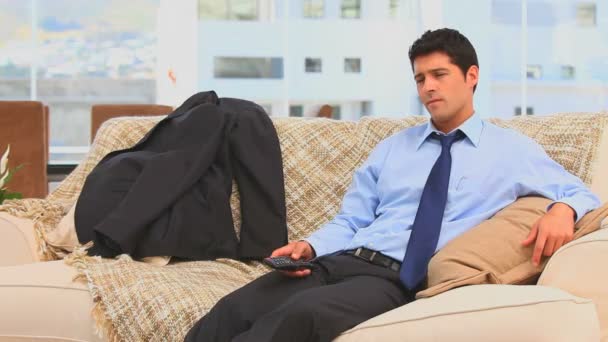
51	294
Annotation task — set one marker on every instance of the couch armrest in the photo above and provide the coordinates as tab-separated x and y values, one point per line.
579	268
17	241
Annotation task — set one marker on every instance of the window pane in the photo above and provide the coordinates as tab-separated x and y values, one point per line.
313	8
296	110
213	9
15	50
248	67
351	9
352	65
228	9
313	65
586	14
104	52
576	50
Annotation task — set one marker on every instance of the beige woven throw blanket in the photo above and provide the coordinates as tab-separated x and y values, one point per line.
136	301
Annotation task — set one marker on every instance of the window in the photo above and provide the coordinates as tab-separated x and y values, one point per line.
336	112
351	9
366	108
313	8
313	65
296	110
586	14
393	9
352	65
228	9
534	72
248	67
529	110
568	72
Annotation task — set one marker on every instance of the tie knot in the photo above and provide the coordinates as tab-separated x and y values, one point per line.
448	140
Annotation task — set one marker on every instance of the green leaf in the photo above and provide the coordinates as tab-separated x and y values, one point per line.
13	195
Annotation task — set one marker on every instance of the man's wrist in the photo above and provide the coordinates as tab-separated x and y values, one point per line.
563	209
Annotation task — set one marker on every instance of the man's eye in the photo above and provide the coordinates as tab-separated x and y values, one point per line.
440	75
419	81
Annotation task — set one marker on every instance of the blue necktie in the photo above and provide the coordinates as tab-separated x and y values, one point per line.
427	224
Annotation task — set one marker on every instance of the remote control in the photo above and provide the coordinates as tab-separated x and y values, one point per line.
285	263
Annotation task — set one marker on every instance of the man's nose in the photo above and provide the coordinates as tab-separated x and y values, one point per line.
429	85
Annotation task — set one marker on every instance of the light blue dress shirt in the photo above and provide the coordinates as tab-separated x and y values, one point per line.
491	168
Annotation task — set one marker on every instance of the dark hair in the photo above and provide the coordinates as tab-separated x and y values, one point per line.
449	41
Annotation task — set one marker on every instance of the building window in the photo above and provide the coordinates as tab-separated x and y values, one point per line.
351	9
336	112
393	9
366	108
314	8
534	72
352	65
296	111
586	14
228	9
568	72
529	110
313	65
248	67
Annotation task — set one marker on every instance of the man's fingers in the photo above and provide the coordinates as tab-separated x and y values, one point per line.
285	250
538	248
298	250
531	236
549	246
297	274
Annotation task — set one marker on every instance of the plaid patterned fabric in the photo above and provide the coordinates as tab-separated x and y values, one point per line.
136	301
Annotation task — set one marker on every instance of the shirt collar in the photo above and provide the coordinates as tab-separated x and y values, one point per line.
472	128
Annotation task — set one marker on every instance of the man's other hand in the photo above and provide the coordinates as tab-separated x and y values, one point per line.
551	231
296	250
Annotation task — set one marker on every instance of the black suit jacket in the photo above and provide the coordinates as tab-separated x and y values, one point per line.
169	194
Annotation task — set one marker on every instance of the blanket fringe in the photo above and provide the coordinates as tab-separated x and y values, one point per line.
81	261
45	216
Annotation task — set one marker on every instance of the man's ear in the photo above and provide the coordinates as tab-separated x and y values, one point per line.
472	76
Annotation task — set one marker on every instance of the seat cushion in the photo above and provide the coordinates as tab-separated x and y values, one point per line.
18	244
41	302
486	313
580	269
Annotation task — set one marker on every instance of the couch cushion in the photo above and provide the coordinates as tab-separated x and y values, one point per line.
40	302
580	269
485	313
500	259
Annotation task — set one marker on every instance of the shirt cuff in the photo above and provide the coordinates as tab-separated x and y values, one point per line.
319	247
578	209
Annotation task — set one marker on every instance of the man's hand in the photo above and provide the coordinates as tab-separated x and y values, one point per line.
551	231
296	250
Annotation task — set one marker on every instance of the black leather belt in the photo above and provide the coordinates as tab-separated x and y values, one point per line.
375	258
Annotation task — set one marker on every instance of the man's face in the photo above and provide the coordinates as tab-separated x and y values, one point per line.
446	93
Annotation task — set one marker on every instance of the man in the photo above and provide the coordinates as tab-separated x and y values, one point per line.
418	189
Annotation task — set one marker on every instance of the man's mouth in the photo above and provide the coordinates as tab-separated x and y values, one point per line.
433	101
